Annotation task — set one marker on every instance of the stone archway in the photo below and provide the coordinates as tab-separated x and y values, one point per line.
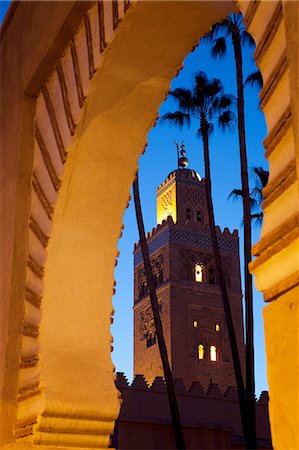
64	384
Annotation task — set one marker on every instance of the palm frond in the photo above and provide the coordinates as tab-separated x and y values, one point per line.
236	194
236	20
214	108
256	194
219	47
257	218
260	176
176	118
227	100
216	29
227	120
247	39
200	80
184	98
221	103
214	88
199	88
210	130
255	78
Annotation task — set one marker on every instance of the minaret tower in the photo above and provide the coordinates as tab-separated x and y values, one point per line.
187	289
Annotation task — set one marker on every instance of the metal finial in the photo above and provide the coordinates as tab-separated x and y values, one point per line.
177	150
182	160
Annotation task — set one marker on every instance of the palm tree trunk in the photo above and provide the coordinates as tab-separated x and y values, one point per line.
173	406
250	382
222	285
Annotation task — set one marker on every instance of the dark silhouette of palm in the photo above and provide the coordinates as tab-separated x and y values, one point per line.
232	28
260	176
172	400
255	79
206	104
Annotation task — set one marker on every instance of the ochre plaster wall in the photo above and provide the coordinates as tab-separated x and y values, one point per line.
21	57
73	348
130	85
274	26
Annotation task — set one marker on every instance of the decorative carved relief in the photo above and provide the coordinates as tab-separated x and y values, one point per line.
158	273
167	205
193	197
147	326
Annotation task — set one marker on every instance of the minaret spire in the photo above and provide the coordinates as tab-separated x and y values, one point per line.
182	160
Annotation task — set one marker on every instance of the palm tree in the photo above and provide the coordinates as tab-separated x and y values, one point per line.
207	103
173	406
232	27
260	176
255	78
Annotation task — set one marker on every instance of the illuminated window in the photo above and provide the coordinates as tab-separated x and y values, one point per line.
195	324
198	273
198	216
201	351
213	354
217	327
188	214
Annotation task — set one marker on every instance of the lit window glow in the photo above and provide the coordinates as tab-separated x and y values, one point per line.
201	351
217	327
195	324
213	354
198	273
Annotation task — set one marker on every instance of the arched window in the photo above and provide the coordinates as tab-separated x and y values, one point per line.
213	353
198	273
195	323
188	214
200	351
217	327
198	216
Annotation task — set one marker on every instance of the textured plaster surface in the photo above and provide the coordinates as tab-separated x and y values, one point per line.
122	105
281	319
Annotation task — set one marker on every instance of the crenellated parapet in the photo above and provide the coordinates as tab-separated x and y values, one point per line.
151	234
170	232
188	175
196	389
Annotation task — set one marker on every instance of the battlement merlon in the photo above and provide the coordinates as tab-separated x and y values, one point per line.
226	233
155	230
196	389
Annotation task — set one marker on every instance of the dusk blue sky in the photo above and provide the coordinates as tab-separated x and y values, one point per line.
159	160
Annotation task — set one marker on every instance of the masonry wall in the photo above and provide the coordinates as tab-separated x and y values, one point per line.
210	417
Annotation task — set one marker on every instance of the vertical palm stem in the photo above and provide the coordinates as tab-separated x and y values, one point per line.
250	384
222	285
173	405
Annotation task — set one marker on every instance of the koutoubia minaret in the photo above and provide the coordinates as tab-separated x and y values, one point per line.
188	293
